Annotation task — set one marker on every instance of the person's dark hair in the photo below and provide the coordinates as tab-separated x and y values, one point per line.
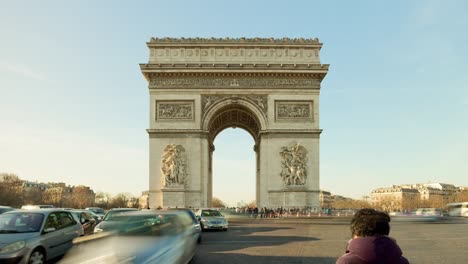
370	222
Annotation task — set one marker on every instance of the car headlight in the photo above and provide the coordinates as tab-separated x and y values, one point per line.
13	247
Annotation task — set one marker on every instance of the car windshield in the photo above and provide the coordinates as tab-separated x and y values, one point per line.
96	210
114	215
21	222
211	213
5	209
149	225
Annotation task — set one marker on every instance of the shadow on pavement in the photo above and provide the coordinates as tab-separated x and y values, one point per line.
215	243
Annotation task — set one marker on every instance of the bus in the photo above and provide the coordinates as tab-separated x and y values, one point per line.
458	209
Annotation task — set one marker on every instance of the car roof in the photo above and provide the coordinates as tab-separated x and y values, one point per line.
45	211
123	209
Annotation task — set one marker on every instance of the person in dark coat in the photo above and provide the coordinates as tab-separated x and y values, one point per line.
370	243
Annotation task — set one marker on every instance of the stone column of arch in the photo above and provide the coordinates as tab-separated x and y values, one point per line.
269	87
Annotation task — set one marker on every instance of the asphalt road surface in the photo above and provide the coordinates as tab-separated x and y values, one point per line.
323	241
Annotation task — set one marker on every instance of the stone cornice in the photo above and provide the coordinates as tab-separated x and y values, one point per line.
168	67
294	190
291	131
176	133
234	41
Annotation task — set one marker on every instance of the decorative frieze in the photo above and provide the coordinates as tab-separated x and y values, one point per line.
294	110
174	166
162	82
293	165
174	110
260	100
244	50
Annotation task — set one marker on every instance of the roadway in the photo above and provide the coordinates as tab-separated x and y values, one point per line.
324	240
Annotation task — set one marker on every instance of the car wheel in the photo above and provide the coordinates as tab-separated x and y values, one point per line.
199	240
37	257
224	229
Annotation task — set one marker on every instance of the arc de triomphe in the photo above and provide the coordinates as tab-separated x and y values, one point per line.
269	87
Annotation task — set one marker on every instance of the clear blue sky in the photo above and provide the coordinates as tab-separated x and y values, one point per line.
394	106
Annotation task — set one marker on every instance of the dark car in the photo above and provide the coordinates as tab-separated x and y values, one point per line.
4	209
97	210
86	219
108	222
141	237
196	223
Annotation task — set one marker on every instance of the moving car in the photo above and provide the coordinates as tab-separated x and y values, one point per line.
141	237
4	209
35	236
195	221
211	219
109	220
97	210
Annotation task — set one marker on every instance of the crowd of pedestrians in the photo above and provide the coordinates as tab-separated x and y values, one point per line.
280	212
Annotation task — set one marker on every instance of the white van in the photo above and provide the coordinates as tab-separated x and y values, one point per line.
458	209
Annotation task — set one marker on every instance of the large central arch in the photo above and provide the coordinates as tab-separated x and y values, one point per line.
268	87
233	112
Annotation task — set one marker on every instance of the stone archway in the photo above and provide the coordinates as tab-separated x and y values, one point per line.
269	87
233	113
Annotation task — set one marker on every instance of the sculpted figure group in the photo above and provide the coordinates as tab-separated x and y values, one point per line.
173	167
293	165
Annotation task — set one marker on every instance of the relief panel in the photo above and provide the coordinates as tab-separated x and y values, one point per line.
175	110
294	111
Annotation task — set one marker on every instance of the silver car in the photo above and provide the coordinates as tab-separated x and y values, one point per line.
35	236
212	219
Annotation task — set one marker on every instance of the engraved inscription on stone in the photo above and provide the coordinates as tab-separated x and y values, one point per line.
245	82
174	166
178	110
293	165
260	100
294	110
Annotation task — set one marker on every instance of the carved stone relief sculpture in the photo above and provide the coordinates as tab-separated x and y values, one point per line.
293	165
174	166
227	82
294	110
174	110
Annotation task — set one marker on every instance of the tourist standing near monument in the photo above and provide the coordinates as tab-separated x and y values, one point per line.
370	242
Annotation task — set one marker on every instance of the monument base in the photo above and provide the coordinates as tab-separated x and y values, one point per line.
173	197
293	197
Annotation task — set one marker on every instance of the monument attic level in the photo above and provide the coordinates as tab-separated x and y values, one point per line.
269	87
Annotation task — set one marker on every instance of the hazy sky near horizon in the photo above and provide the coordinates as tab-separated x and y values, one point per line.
74	105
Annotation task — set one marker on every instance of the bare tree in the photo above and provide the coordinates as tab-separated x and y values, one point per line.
252	204
32	196
53	196
216	202
120	200
82	197
11	190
